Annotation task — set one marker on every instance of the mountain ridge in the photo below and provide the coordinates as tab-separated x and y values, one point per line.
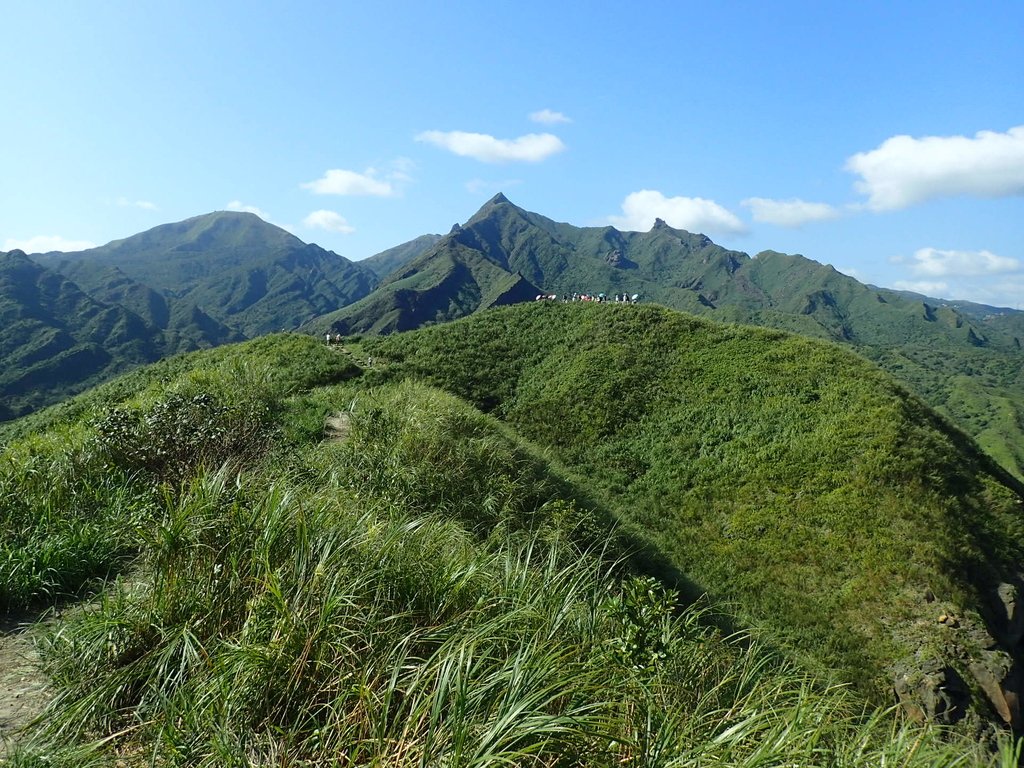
930	344
963	358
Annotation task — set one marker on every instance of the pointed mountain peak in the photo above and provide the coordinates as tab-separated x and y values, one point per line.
497	203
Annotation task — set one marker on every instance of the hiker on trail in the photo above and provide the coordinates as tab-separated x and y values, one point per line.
328	339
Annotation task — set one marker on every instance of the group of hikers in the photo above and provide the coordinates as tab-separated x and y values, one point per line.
618	297
621	298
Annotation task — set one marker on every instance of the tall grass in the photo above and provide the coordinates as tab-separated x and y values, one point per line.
75	501
298	627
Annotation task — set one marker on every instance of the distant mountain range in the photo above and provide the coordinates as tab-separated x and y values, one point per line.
76	318
963	358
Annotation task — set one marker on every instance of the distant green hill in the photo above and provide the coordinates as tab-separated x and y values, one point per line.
788	476
198	283
964	359
57	340
446	282
235	267
386	262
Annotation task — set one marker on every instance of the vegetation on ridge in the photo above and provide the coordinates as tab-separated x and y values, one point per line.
420	590
785	475
964	360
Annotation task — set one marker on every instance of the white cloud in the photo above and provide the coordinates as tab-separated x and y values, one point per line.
401	170
549	117
124	202
46	243
928	288
531	148
694	214
338	181
904	170
932	262
329	220
237	205
788	213
1002	292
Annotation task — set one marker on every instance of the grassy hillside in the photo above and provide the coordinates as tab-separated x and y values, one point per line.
418	586
235	267
965	359
384	263
787	476
447	282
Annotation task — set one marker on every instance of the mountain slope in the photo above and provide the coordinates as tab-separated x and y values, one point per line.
235	267
198	283
449	281
57	340
966	360
421	586
185	326
787	476
384	263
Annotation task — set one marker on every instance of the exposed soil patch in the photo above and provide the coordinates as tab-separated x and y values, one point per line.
23	687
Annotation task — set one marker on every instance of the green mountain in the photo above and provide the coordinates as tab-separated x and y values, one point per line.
237	268
471	551
58	340
788	477
185	325
223	277
964	359
386	262
448	281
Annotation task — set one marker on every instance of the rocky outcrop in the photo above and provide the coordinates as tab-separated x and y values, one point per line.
930	691
969	669
1009	613
617	260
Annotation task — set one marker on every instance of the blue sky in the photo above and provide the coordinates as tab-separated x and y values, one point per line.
886	139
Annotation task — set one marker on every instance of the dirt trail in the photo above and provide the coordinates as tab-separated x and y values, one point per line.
23	691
